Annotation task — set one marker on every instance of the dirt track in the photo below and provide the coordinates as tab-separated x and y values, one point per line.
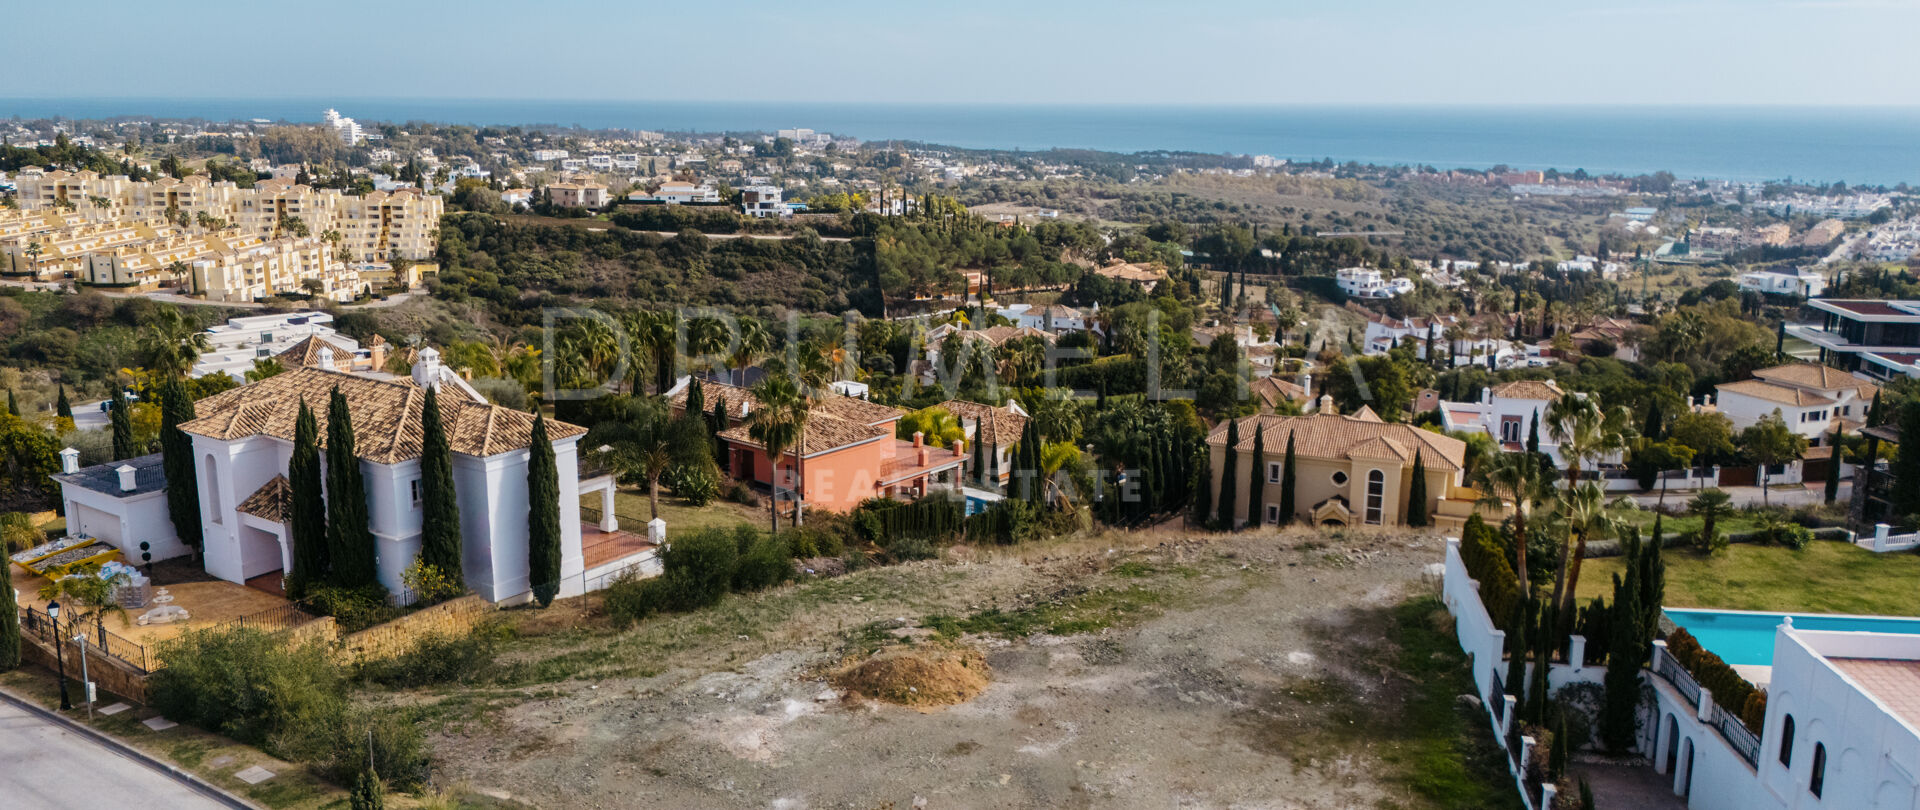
1220	681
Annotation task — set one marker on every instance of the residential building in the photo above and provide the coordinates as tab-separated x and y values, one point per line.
997	429
243	440
1876	339
233	346
763	201
1143	276
120	503
848	452
577	195
548	155
678	192
346	128
1589	264
1509	413
1802	282
1350	470
1368	282
1812	398
1053	318
942	343
271	268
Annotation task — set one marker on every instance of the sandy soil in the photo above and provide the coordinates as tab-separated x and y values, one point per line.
1208	696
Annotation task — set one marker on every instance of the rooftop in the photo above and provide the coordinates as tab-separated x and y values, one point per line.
149	476
1339	436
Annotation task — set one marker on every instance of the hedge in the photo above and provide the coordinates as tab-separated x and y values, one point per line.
1486	561
1730	691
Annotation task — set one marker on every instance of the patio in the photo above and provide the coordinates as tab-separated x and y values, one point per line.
1625	786
208	602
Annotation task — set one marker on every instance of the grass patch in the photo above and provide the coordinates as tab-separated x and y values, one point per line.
1445	751
631	507
1825	577
1086	612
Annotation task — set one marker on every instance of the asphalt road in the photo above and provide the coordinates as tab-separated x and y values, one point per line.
51	768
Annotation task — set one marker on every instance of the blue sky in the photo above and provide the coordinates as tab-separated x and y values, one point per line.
1845	52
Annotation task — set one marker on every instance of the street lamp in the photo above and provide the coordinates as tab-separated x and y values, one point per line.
59	654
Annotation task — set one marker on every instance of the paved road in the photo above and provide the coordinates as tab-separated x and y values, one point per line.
51	768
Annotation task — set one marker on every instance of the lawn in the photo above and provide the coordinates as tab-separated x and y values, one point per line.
1825	577
630	505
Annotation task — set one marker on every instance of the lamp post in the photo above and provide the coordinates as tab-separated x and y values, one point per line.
59	654
86	680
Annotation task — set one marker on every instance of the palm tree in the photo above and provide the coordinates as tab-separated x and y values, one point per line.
1516	478
171	345
1055	456
1585	432
777	422
647	441
753	344
33	258
1580	512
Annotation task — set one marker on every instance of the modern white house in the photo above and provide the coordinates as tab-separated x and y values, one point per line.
678	192
1801	282
121	503
763	201
243	441
234	345
1812	398
1368	282
1054	318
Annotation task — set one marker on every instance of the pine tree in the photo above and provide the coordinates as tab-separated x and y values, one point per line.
9	619
543	515
1230	477
309	508
440	512
368	793
122	421
1417	493
1257	491
176	458
61	407
1287	483
350	544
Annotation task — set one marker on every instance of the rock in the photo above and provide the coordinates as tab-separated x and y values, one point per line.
1469	701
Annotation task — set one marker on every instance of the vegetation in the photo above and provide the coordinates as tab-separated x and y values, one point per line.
308	524
440	539
1824	577
543	515
350	545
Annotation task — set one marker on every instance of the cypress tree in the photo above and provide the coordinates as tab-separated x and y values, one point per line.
122	421
1652	427
979	456
368	793
13	405
1230	477
1533	434
1257	496
9	619
1833	466
1202	485
1517	648
440	511
176	458
696	397
1543	647
1875	415
1557	755
1653	587
543	515
61	407
721	423
1618	723
1417	493
308	526
1287	482
350	544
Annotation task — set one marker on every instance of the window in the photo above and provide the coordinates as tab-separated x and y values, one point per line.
1339	478
1273	513
1819	781
1273	472
1510	429
1376	495
414	485
1786	741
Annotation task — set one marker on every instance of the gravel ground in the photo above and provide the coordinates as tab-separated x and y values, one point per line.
1209	695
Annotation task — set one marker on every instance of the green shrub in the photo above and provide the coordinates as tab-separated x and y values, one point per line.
352	609
434	658
250	686
906	549
696	484
764	562
630	598
699	566
389	739
818	538
743	495
1794	536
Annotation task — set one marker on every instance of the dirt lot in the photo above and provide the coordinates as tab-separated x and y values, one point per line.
1145	670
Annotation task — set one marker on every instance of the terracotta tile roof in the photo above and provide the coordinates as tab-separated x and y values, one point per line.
385	413
1341	437
1136	273
1529	389
1816	377
999	335
835	421
824	433
272	501
1772	392
998	427
1273	390
306	353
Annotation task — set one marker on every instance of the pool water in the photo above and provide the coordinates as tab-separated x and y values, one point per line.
1745	638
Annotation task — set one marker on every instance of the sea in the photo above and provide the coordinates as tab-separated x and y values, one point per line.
1854	145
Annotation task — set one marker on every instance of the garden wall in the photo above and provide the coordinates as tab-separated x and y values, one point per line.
396	637
109	674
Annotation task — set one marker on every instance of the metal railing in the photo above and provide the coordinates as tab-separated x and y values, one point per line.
271	620
103	641
1666	666
1738	735
1497	701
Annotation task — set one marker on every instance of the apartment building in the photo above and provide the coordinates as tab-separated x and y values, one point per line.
62	253
282	265
377	227
159	262
577	195
1876	339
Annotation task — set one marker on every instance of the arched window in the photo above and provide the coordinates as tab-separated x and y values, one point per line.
212	489
1786	741
1376	495
1819	781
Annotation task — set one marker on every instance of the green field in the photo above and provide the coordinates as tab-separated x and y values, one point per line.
1825	577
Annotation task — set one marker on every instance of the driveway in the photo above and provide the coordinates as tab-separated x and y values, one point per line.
52	768
1781	495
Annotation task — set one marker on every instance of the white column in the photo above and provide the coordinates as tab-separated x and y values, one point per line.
608	523
1577	652
1880	537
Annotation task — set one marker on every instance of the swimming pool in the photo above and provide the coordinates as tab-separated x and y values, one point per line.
1742	637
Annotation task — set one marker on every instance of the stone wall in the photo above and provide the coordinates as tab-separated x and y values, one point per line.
396	637
111	675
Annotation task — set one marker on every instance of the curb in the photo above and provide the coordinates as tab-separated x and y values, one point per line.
197	784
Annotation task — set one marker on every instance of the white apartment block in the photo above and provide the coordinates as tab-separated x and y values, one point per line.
549	155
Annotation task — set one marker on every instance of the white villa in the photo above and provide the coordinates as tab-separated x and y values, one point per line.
1053	318
1802	282
1507	412
243	442
1809	396
1368	282
234	345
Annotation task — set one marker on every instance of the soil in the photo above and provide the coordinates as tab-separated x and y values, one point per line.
1145	670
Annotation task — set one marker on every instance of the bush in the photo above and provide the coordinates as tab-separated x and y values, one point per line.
250	686
429	585
907	549
390	740
434	658
352	608
764	562
817	538
1729	689
631	598
697	485
743	494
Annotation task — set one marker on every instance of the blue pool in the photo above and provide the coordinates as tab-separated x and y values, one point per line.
1743	638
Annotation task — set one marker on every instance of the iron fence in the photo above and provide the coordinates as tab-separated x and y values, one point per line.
103	641
1666	666
1738	736
1497	700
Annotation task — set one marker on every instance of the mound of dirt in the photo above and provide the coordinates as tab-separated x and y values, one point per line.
924	678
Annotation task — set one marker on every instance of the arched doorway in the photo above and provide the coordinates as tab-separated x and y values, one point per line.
1686	770
1673	745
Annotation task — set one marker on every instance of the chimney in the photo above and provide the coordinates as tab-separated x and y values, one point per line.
960	447
1326	404
127	474
919	438
69	460
1486	395
426	370
326	358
